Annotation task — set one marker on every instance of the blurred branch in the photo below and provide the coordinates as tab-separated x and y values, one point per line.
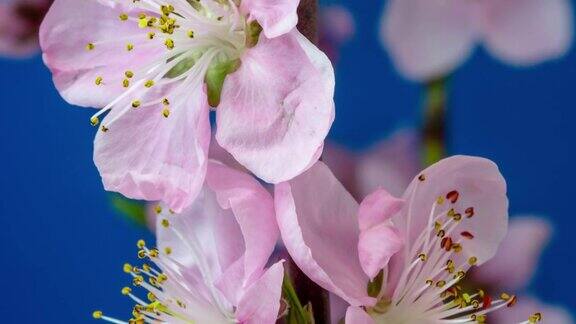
435	119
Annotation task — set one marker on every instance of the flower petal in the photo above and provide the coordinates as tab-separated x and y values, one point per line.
253	209
377	208
277	17
356	315
513	267
527	32
144	155
64	37
319	227
479	185
470	188
377	245
204	240
276	133
261	302
428	39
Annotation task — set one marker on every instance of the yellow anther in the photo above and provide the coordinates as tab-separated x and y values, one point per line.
165	102
151	297
169	43
190	33
151	35
440	200
165	223
422	257
504	296
141	244
158	209
166	112
166	10
97	314
153	253
467	298
90	46
127	268
129	74
149	84
162	278
94	121
136	103
472	260
125	83
129	47
123	17
440	283
126	291
142	21
534	318
98	80
104	129
168	250
141	254
137	281
146	267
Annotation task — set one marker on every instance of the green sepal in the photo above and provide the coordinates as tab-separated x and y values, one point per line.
375	286
215	77
133	210
253	31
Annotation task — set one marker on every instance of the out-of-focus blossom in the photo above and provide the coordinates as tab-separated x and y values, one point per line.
400	260
392	162
428	39
19	24
336	27
514	265
157	66
210	261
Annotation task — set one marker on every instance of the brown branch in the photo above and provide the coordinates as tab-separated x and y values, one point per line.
308	19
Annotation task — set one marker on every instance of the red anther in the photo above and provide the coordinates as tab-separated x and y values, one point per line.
446	243
453	196
469	212
486	301
467	235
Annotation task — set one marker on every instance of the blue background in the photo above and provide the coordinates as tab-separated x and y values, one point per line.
63	246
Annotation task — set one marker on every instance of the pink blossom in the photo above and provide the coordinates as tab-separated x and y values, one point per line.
19	24
428	39
210	261
156	67
399	260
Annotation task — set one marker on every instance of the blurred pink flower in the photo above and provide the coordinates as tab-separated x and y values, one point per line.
336	27
514	265
392	162
19	24
399	260
156	66
428	39
211	258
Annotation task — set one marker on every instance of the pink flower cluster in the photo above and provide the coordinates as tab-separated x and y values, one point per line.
392	244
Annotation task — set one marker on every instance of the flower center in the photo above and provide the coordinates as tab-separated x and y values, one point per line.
429	287
175	293
182	45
